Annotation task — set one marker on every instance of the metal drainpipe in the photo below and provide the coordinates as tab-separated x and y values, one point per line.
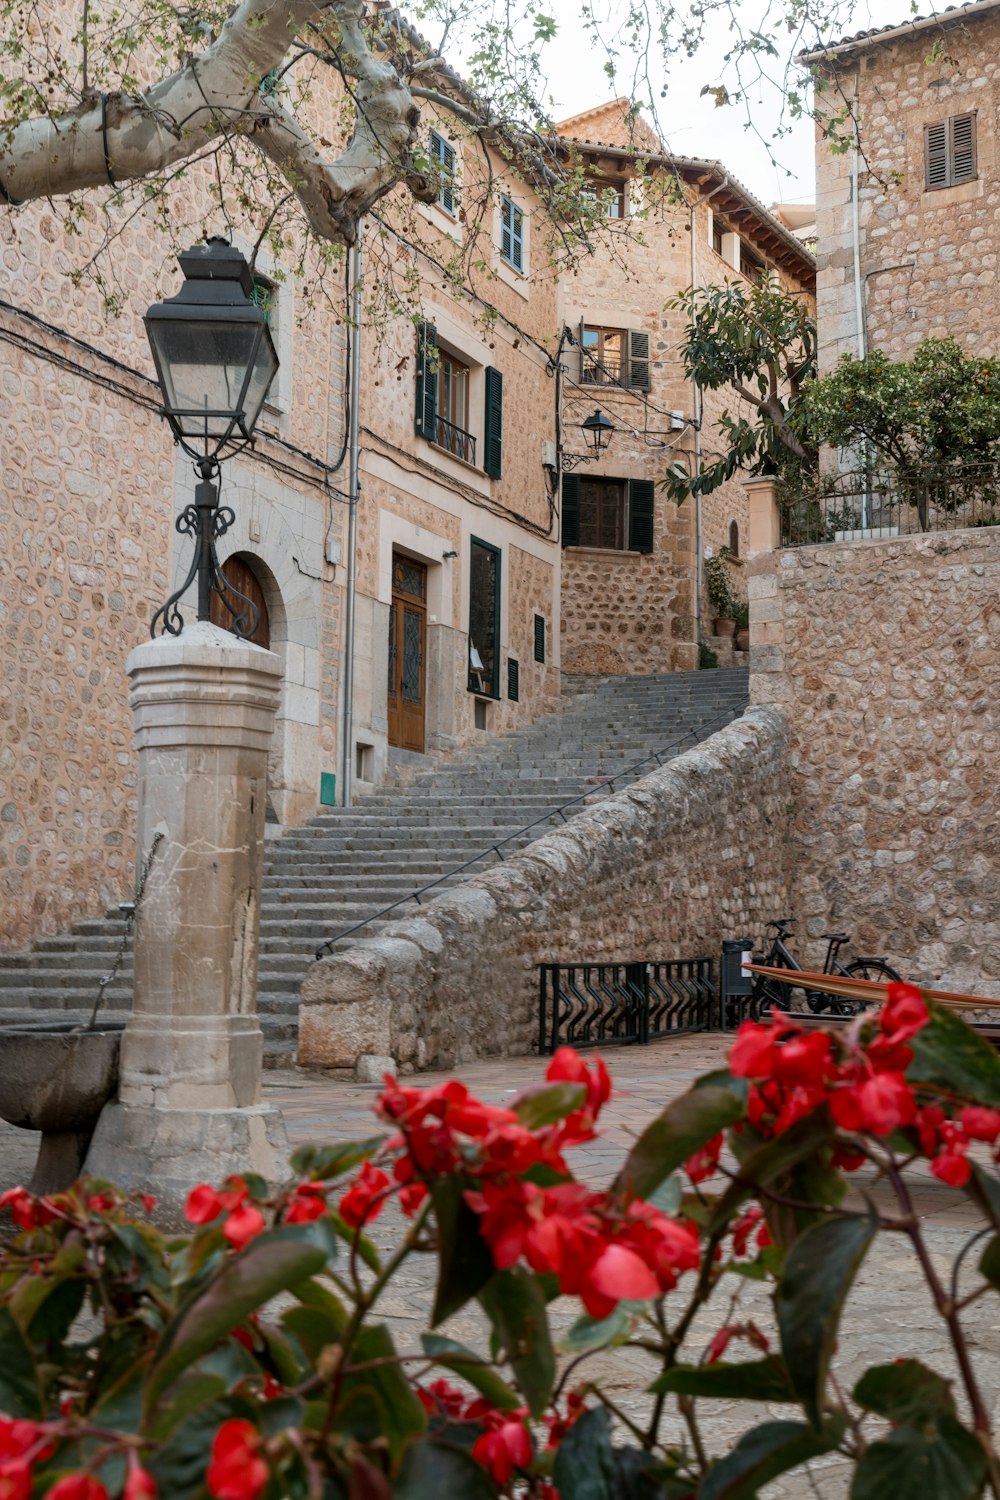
859	304
347	761
696	393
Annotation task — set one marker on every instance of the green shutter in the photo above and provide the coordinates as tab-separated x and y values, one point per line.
427	381
640	515
638	360
571	510
513	680
540	638
493	425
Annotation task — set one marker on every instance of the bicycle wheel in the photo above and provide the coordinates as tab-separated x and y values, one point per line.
768	995
869	968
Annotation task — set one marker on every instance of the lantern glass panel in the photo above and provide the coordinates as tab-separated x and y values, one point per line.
213	372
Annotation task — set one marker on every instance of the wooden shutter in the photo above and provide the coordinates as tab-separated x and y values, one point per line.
427	381
493	425
517	237
640	515
513	680
638	360
506	221
936	155
571	510
963	147
539	638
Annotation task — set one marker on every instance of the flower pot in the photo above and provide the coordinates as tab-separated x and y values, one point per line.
57	1078
725	625
742	640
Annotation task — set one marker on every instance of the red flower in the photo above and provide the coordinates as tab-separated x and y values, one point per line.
27	1211
704	1162
237	1471
617	1275
744	1227
879	1105
929	1122
803	1060
365	1198
102	1203
725	1336
980	1123
441	1398
148	1202
15	1480
505	1445
752	1053
77	1487
952	1166
242	1226
568	1066
559	1426
140	1484
203	1204
904	1012
309	1203
18	1436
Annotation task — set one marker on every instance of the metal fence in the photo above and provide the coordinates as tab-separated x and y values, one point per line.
856	507
592	1005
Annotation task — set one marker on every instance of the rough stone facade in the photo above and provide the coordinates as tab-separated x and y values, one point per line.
928	258
684	858
885	656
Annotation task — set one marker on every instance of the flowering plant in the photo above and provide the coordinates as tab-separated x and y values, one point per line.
247	1359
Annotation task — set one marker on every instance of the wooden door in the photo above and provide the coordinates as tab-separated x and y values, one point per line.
239	573
407	654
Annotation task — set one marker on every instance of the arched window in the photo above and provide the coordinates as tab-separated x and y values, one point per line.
734	538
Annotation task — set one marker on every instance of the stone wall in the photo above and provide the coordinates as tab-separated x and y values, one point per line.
684	858
928	258
885	655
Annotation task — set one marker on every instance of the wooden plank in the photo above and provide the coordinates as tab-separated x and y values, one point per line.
871	990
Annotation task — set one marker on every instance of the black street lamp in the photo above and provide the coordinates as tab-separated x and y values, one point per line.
598	430
215	362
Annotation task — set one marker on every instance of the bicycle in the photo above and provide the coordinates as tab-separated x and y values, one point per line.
768	993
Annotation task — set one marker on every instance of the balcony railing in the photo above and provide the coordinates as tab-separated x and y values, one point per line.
859	507
603	372
453	440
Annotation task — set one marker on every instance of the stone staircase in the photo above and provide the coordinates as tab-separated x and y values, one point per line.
338	874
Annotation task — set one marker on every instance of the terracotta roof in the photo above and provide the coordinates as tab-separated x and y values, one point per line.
860	40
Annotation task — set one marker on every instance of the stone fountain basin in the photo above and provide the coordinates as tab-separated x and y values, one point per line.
57	1079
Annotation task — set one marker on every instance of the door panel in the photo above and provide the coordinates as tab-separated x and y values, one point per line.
239	573
407	654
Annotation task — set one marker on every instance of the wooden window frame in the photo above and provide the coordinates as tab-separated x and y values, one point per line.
950	176
617	203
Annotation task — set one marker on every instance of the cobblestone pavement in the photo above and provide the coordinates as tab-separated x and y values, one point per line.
888	1315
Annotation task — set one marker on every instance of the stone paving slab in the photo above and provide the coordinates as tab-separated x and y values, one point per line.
888	1315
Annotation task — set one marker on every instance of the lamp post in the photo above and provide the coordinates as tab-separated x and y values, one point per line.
215	362
598	430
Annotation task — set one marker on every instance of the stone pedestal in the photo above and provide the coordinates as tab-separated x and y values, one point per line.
765	521
189	1101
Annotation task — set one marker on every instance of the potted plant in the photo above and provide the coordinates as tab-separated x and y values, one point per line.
742	638
721	594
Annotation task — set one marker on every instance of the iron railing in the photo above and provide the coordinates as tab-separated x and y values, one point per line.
859	507
454	440
603	372
597	1004
701	732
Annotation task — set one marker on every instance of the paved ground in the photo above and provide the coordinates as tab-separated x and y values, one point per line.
888	1315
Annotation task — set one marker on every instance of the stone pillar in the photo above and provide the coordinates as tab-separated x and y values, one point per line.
765	522
189	1101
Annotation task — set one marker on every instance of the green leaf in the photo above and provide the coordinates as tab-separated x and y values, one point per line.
585	1463
472	1368
985	1188
764	1453
465	1261
596	1333
818	1275
667	1197
943	1463
681	1130
19	1389
321	1163
751	1380
432	1471
989	1262
190	1394
273	1263
548	1102
905	1391
515	1305
764	1164
949	1053
383	1394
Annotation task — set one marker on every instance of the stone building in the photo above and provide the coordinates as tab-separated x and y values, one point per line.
630	572
908	220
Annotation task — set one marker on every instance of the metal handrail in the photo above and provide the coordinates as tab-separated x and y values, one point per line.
455	440
546	817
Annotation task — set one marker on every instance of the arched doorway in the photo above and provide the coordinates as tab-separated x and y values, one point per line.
239	572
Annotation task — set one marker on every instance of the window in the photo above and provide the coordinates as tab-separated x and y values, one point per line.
513	680
610	194
614	514
539	641
445	414
264	295
614	356
950	152
717	232
443	163
750	267
511	233
484	619
734	538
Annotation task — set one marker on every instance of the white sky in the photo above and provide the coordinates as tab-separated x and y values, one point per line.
693	126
